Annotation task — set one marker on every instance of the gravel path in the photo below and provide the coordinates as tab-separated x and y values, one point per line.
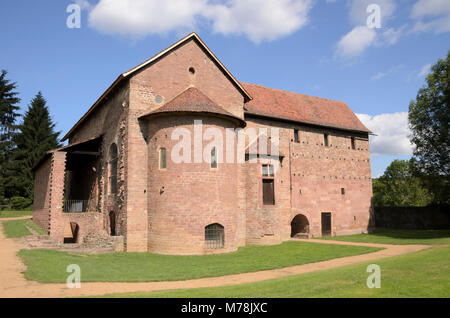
13	283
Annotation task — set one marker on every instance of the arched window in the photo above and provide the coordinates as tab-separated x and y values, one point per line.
113	157
214	236
162	158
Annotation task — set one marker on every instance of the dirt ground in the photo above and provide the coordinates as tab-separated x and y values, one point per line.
13	283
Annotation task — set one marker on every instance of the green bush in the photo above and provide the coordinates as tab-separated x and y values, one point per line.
20	203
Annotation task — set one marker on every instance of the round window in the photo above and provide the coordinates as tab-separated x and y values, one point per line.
158	99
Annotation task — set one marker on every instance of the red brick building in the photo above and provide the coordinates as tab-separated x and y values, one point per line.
117	180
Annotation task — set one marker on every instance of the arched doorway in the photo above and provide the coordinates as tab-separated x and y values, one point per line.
112	223
299	226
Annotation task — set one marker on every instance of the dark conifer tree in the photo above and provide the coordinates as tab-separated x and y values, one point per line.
8	115
35	137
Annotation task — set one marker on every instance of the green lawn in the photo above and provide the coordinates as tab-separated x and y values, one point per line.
33	225
422	274
49	266
394	236
12	214
17	228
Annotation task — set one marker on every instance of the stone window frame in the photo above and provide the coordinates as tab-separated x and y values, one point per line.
326	140
271	177
353	143
160	157
296	136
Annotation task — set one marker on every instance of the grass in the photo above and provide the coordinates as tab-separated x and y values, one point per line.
33	225
12	214
49	266
395	236
16	228
422	274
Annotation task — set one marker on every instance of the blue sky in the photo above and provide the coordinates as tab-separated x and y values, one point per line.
322	48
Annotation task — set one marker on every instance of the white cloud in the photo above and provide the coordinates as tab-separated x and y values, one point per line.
431	15
424	70
391	36
84	4
138	18
259	20
391	132
355	42
361	37
380	75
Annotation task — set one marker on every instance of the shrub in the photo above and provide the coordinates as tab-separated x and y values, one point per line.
20	203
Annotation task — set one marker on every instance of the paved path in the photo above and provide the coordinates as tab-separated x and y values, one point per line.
13	284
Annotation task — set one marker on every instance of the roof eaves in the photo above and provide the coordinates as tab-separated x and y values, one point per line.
267	116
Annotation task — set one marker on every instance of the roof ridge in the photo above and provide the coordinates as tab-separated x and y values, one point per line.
125	75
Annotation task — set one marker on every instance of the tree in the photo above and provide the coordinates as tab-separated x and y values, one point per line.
8	115
35	137
398	186
429	117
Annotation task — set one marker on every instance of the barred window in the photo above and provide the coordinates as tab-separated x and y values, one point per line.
113	157
214	236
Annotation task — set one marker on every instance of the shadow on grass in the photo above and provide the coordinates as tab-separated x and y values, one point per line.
410	234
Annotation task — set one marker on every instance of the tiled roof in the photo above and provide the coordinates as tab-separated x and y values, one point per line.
192	100
286	105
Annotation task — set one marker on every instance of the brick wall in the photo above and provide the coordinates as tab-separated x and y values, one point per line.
41	202
319	172
184	198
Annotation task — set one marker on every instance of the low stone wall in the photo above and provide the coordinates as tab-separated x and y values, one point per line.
88	222
427	218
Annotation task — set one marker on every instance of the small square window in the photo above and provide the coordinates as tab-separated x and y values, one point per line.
267	171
